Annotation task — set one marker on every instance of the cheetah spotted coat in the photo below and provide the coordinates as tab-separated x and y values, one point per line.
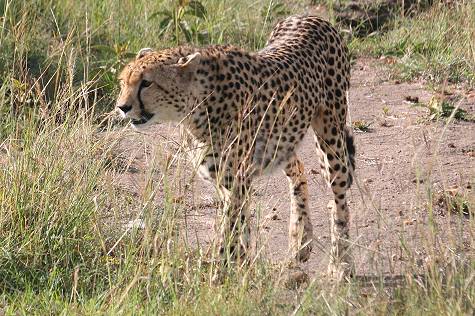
249	112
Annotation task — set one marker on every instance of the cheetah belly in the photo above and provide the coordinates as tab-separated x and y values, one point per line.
268	158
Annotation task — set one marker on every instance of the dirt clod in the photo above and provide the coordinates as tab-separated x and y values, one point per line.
411	99
295	277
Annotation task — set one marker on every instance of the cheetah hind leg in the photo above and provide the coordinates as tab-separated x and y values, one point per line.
341	172
341	264
300	227
336	151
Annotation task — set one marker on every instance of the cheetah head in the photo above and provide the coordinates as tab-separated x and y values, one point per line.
157	87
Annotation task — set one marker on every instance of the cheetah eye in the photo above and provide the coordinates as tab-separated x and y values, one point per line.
146	83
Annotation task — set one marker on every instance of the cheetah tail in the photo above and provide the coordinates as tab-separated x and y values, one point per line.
350	146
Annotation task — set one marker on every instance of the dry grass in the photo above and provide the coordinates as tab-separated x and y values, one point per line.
57	191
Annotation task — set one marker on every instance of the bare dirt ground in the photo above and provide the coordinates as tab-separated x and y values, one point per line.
402	159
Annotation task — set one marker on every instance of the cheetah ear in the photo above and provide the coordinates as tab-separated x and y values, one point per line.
186	67
189	61
143	52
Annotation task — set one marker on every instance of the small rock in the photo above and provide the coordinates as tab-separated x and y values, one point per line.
385	123
273	216
447	92
451	145
295	277
419	262
417	180
388	60
409	221
314	171
412	99
136	223
132	169
178	199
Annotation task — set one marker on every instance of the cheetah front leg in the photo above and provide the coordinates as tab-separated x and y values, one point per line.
233	190
234	232
300	227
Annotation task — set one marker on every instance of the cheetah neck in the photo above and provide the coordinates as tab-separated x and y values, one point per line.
224	90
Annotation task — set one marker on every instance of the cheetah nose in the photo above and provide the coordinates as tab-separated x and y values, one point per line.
125	108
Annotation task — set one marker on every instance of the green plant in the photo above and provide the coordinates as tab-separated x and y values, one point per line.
444	109
274	10
454	201
362	126
178	21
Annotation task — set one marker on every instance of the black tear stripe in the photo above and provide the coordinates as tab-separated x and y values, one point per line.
142	107
145	115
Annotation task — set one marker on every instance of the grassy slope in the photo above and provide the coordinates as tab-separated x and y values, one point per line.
57	73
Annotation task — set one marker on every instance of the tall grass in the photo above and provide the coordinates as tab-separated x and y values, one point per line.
436	45
63	249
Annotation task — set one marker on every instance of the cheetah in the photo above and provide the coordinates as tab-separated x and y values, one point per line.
249	111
